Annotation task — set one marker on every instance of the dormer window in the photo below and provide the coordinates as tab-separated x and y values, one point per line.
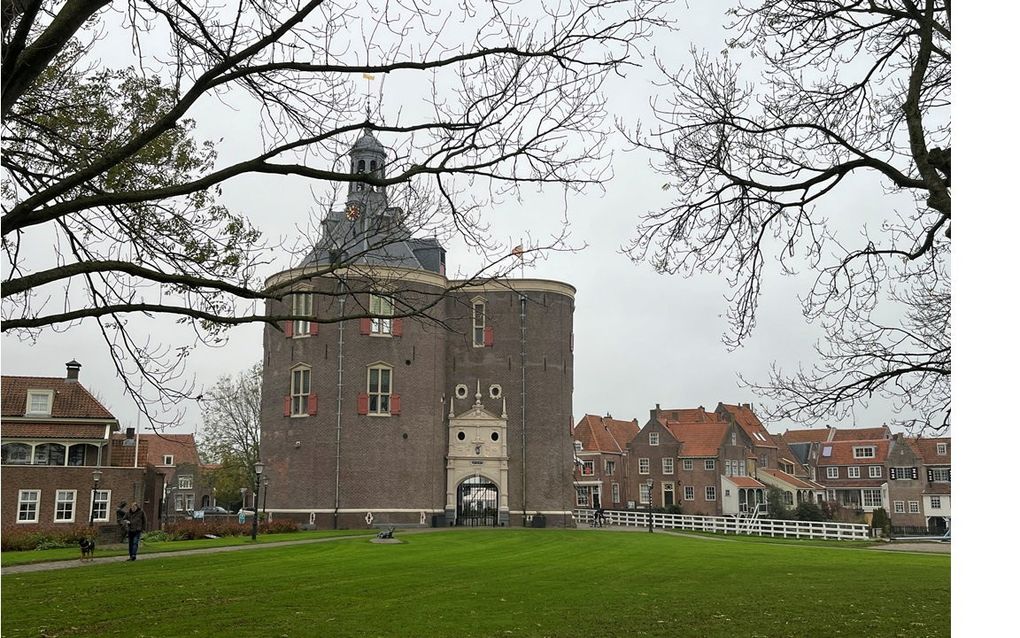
168	459
40	403
867	452
941	449
578	446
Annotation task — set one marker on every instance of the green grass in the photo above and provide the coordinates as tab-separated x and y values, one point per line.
495	583
8	559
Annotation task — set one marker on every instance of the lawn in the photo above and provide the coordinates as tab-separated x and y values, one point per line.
495	583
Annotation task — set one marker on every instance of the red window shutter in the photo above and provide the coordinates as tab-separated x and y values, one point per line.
366	326
286	406
362	403
313	404
395	404
488	337
288	329
397	328
313	328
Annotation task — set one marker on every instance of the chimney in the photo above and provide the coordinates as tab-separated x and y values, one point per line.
73	367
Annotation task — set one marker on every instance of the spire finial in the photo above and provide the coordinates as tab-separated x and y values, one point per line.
478	393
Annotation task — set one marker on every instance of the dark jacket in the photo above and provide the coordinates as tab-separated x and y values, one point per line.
136	520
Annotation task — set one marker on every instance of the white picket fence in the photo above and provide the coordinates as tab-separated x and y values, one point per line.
730	525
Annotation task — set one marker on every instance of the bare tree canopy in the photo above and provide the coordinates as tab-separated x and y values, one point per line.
849	92
102	164
230	421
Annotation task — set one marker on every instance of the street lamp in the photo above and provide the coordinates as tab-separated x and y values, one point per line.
649	483
95	488
259	466
265	495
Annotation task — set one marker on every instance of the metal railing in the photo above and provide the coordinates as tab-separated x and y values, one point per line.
825	530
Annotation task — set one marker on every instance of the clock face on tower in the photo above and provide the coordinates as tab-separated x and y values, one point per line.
352	212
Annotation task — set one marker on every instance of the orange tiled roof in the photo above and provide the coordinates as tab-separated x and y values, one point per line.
927	450
749	423
744	481
604	434
688	415
811	435
842	453
70	398
54	430
861	434
698	439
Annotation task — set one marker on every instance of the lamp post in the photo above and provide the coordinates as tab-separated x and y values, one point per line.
265	494
649	483
259	466
95	488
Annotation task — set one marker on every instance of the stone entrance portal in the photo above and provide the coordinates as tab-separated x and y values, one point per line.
478	503
476	466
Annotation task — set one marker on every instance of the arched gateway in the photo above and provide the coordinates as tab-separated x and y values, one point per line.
478	503
476	469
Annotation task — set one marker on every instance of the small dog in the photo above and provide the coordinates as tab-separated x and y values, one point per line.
88	547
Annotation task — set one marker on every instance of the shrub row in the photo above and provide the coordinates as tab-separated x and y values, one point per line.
50	539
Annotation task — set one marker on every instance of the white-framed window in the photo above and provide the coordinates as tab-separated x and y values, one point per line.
742	468
615	489
710	492
688	492
787	497
578	446
733	438
763	460
302	307
853	471
903	473
380	387
653	438
587	468
39	402
178	502
300	389
871	498
643	466
610	468
864	452
940	474
17	454
667	465
874	471
478	323
941	449
185	482
644	491
101	506
28	506
381	309
936	502
582	497
832	472
710	464
898	507
189	502
63	508
168	459
50	454
688	464
914	507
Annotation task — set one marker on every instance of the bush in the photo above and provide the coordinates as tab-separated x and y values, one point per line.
880	520
809	512
39	540
279	526
674	509
192	529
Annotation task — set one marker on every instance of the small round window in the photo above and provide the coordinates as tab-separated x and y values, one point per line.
461	436
495	391
461	391
495	436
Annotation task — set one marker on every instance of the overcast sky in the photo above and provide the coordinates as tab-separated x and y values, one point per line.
640	338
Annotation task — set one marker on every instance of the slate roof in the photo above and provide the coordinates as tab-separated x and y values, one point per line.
70	398
604	434
698	439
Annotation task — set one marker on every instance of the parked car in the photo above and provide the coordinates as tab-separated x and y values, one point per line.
214	510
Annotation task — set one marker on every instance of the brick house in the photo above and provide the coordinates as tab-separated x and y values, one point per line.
600	445
699	463
853	472
185	484
62	463
446	419
918	491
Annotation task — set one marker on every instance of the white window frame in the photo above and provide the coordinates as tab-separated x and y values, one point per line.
688	492
301	305
653	438
382	398
853	471
582	496
186	482
667	465
935	502
58	501
101	497
587	468
914	507
941	449
615	489
644	493
832	472
610	467
710	493
178	502
478	312
300	390
899	508
871	498
28	498
742	468
937	472
189	502
874	471
710	465
688	464
168	459
578	446
45	395
381	308
864	452
644	466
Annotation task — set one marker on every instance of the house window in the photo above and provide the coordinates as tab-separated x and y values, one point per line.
853	472
478	323
871	498
379	389
940	474
903	473
688	492
688	464
865	452
179	502
643	466
936	502
185	482
300	389
710	492
763	460
17	454
941	449
898	507
616	492
101	506
710	464
788	498
28	506
63	511
578	447
610	467
832	472
644	492
39	402
733	438
653	438
381	309
588	468
50	454
915	507
742	468
189	502
874	471
667	465
168	459
302	307
582	497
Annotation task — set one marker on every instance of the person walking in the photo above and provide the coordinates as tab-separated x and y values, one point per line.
136	525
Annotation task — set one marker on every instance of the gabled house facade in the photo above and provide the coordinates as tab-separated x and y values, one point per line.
600	450
918	493
853	472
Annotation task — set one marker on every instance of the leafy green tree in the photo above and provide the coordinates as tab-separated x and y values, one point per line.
777	505
230	428
809	512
